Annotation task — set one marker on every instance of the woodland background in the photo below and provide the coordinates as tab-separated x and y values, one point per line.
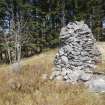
29	27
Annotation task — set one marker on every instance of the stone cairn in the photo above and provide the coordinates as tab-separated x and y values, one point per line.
78	55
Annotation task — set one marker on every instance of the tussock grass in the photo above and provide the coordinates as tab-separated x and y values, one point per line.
28	88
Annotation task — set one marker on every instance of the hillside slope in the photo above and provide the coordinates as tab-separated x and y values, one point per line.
28	87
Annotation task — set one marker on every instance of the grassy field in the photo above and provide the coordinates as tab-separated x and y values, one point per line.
28	87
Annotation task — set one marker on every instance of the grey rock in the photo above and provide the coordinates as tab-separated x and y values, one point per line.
64	72
75	75
85	76
61	52
66	77
64	59
96	85
75	53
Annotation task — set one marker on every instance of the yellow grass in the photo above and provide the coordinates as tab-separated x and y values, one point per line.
28	87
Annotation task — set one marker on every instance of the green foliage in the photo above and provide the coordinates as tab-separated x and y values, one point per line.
42	21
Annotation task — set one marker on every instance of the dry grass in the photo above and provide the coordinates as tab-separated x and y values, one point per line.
101	47
28	87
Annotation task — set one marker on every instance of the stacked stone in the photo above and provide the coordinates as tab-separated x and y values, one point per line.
77	55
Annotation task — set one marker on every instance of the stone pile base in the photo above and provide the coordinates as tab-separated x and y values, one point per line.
77	56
